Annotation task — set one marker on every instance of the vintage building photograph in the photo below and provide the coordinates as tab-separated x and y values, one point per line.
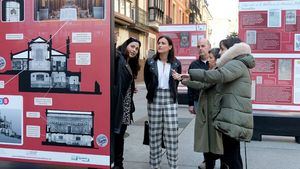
69	128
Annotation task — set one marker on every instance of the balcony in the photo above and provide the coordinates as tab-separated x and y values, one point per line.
195	15
194	8
124	15
141	17
156	17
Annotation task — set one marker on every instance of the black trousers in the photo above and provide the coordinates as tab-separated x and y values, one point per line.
210	160
232	156
119	146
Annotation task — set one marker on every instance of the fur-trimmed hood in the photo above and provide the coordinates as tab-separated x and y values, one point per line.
233	52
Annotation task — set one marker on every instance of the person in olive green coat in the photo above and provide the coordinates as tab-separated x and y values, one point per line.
206	138
233	84
230	100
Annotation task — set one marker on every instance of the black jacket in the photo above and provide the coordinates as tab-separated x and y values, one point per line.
151	78
122	81
193	94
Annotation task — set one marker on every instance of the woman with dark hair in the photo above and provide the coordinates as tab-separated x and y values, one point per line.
162	102
126	70
213	55
229	42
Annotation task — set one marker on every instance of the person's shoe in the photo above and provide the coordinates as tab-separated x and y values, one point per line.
118	167
202	165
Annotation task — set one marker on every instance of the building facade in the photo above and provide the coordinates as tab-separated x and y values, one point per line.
141	19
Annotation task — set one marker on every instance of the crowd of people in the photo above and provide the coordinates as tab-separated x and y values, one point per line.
219	93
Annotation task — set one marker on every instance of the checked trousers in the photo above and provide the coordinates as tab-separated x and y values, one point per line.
163	122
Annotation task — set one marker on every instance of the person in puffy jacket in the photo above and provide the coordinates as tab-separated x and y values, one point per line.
231	104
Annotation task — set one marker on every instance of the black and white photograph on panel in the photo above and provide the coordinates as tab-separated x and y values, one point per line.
69	128
274	18
11	119
68	9
12	10
297	42
290	17
251	37
184	40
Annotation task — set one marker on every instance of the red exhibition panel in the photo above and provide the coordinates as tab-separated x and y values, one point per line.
55	82
272	29
184	39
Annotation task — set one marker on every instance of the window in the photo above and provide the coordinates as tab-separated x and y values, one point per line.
116	5
39	54
156	10
125	7
152	43
180	16
174	13
159	4
69	129
68	9
12	10
128	9
162	5
17	65
132	12
40	77
151	15
122	7
151	3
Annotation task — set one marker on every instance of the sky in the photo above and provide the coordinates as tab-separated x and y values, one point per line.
225	18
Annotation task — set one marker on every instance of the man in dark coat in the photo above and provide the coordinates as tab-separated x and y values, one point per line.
203	46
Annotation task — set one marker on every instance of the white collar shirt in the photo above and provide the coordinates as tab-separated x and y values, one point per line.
163	74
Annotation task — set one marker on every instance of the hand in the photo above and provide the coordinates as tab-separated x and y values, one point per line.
192	109
176	75
185	76
184	81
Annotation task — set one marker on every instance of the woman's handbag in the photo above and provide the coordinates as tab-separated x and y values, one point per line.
146	135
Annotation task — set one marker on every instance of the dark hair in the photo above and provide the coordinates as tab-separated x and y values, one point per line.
229	42
171	56
133	62
215	52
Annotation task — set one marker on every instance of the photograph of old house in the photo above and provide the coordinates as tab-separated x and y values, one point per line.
12	10
10	126
69	128
68	9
